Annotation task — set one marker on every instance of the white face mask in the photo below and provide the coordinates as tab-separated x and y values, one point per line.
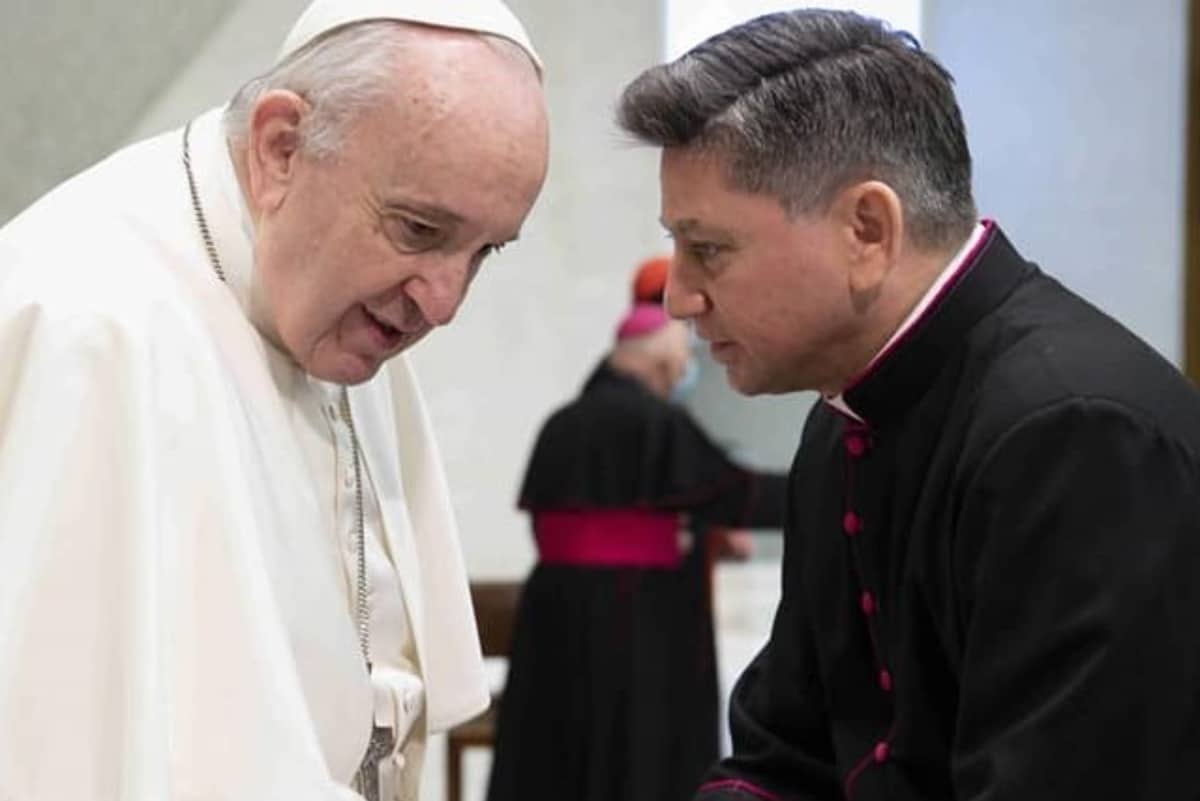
687	382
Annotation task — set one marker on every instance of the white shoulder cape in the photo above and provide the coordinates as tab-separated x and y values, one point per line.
172	621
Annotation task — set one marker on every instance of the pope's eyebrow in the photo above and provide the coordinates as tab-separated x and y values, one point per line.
429	211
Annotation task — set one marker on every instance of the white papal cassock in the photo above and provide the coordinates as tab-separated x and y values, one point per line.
176	540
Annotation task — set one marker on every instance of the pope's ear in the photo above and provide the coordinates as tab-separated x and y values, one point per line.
273	146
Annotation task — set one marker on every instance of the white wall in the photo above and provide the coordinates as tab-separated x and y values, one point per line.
1076	115
242	45
75	73
690	22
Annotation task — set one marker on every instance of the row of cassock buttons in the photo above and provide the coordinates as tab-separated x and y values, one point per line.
852	524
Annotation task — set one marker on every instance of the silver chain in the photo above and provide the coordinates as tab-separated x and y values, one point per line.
362	587
360	546
201	223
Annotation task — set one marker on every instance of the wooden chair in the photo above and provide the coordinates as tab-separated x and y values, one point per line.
495	604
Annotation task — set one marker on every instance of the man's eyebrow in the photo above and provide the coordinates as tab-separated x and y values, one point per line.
681	227
691	225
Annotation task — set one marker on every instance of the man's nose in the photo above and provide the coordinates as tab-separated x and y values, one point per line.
682	299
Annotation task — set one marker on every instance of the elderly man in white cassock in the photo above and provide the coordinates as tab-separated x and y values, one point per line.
228	565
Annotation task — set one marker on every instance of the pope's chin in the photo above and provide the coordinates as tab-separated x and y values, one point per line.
343	367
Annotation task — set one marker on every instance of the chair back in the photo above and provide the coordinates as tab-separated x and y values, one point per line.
495	604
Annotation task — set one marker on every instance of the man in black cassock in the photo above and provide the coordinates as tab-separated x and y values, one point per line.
612	688
991	577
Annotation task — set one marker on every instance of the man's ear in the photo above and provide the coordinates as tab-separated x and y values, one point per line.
872	221
273	147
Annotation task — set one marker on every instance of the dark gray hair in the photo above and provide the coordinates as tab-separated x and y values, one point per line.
803	103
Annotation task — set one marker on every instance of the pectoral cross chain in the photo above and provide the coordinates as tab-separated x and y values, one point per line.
366	781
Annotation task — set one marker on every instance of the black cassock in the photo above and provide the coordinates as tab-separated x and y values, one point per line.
612	688
993	590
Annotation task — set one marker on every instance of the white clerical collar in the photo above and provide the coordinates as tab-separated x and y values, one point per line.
960	261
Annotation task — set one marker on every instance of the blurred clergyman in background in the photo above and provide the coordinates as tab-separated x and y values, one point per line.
612	689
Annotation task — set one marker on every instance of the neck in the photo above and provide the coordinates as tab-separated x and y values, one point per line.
884	309
246	288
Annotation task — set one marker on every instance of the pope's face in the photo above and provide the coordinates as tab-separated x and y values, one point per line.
359	255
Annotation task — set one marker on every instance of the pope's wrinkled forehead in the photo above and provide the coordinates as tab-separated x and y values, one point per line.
479	16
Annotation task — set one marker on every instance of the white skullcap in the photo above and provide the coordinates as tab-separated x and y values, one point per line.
481	16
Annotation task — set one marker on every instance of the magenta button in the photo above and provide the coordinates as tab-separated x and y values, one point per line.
868	604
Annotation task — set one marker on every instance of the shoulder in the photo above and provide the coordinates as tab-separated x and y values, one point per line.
1099	434
94	252
1046	355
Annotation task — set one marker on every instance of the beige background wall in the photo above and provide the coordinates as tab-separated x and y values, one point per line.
76	75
